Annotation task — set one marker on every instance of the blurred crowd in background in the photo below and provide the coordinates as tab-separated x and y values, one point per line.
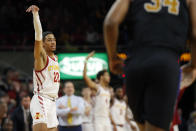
77	24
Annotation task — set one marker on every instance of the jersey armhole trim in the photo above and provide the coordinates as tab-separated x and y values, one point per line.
44	67
52	58
56	57
98	90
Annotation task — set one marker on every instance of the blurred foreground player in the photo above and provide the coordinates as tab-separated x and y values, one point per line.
46	78
160	30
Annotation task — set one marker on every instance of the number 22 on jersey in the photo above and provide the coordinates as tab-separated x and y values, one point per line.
156	6
56	77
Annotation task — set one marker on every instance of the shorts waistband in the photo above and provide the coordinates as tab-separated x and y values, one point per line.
45	96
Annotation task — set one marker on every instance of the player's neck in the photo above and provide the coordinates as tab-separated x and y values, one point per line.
51	54
118	98
103	84
87	98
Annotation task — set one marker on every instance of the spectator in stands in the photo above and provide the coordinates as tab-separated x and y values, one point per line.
84	14
11	103
3	86
192	126
70	109
194	111
30	88
3	112
9	76
8	125
21	116
15	92
91	35
5	97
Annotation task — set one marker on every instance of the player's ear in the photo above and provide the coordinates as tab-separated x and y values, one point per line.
44	44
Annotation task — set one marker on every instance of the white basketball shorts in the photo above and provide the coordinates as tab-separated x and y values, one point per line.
43	110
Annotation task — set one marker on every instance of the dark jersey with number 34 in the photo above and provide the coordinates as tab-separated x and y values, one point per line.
163	23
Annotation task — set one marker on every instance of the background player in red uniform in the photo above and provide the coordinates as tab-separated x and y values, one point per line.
46	78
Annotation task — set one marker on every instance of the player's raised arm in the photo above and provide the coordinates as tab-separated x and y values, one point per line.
111	24
88	81
39	52
189	70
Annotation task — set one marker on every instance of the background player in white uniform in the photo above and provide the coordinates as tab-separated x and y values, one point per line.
102	100
130	125
88	115
46	78
119	112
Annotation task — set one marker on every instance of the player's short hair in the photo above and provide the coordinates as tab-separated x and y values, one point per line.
46	33
117	88
101	73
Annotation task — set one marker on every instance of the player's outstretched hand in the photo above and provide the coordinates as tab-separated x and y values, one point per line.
116	65
188	75
32	8
90	55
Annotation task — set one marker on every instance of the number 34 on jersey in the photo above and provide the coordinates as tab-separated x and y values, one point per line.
156	5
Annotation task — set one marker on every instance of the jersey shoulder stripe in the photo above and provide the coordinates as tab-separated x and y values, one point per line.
44	67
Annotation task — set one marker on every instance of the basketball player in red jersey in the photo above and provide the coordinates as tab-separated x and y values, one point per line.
46	78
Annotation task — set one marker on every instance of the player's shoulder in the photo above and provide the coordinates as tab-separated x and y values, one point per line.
120	101
99	87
